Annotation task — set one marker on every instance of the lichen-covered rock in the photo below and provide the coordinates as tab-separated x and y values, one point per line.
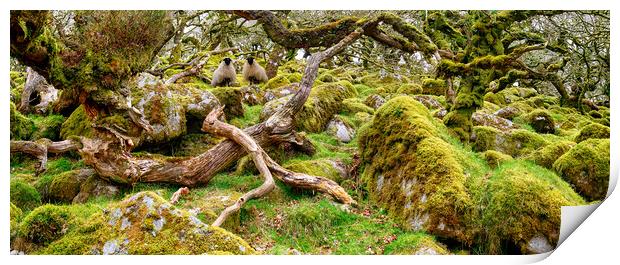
65	186
323	102
374	101
547	155
145	223
522	207
23	195
208	207
231	97
355	105
435	87
586	166
593	131
541	121
515	143
276	82
494	158
22	128
332	169
45	224
415	244
413	173
272	106
484	119
509	112
340	129
279	92
429	102
95	187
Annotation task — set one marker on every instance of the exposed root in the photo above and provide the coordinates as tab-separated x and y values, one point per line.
177	195
41	147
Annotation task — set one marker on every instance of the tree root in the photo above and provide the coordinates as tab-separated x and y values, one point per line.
41	148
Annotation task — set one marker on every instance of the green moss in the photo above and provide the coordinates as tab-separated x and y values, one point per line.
230	97
45	224
320	167
415	244
364	90
15	215
22	128
593	131
276	82
47	126
409	89
547	155
495	158
403	138
294	77
515	143
541	121
327	78
78	124
586	166
323	102
65	186
361	118
435	87
23	195
523	201
355	105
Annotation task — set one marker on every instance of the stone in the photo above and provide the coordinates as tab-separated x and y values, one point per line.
340	129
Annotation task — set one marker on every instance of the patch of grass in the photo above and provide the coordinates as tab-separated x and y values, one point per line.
251	115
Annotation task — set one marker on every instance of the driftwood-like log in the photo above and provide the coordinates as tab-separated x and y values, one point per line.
41	148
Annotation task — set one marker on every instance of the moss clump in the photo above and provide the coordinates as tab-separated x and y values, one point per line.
48	127
415	244
541	121
495	158
78	124
586	166
277	82
45	224
409	89
364	90
327	168
323	102
355	105
23	195
593	131
327	78
231	97
547	155
361	118
294	77
435	87
522	206
65	186
431	195
22	128
15	215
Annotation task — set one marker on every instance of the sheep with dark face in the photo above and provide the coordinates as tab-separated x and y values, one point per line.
225	74
253	72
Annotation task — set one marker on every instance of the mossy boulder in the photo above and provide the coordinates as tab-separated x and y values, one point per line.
522	207
22	128
435	87
95	187
23	195
508	112
484	119
355	105
294	77
45	224
277	82
383	79
409	89
335	170
515	143
415	244
145	223
279	92
323	102
593	131
586	166
327	78
65	186
272	106
361	118
48	127
547	155
495	158
413	173
231	97
78	124
430	102
541	121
